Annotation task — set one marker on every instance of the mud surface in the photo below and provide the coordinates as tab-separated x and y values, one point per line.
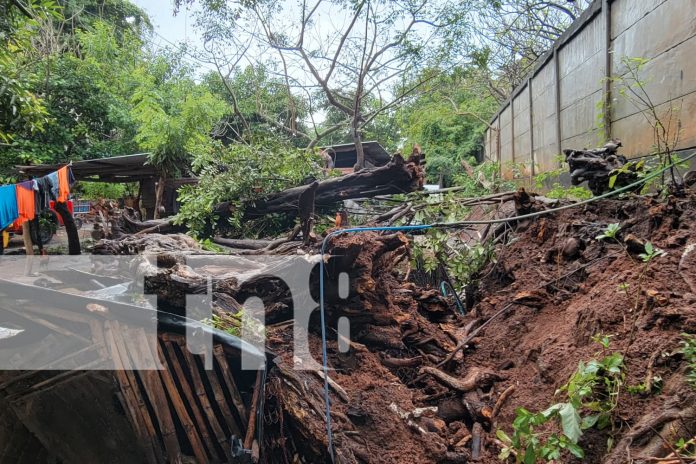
563	287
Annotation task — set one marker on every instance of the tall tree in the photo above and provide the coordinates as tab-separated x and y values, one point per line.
347	54
21	108
68	81
175	116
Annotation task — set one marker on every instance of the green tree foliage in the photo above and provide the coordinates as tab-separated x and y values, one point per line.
447	119
175	115
76	79
21	108
241	173
258	105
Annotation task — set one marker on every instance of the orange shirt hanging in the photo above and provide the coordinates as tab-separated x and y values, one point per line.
63	184
26	206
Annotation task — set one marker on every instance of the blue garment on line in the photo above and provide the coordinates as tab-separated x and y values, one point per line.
53	178
8	205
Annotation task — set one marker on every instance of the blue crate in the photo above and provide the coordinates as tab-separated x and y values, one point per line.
81	207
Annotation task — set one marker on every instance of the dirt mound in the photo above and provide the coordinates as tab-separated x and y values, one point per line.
405	393
572	287
395	397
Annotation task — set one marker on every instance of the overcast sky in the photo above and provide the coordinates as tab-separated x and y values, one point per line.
177	28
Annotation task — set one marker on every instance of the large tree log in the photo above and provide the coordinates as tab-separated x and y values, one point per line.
396	177
160	226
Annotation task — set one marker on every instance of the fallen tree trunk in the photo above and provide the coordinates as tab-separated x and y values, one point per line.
160	226
396	177
242	244
384	311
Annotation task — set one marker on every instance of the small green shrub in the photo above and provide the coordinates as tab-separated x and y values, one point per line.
611	231
651	252
592	394
689	351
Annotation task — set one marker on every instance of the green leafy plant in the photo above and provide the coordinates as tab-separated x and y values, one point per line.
642	388
528	444
685	449
665	124
611	231
543	178
688	349
236	324
592	395
571	193
624	287
651	252
242	174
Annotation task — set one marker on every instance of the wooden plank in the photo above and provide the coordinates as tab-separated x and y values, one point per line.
231	385
59	313
219	396
191	399
97	329
140	416
64	375
180	408
202	395
249	439
154	391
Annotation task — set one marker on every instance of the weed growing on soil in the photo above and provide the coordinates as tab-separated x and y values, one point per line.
624	287
689	351
611	232
650	253
592	394
685	449
665	124
568	193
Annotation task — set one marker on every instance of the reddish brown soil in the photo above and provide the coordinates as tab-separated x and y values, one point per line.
544	344
535	346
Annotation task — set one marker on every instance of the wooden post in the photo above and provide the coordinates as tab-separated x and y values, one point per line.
531	127
557	85
26	236
606	13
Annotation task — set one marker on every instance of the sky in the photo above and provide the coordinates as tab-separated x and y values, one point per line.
175	29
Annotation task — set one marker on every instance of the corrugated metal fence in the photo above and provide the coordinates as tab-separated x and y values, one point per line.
572	99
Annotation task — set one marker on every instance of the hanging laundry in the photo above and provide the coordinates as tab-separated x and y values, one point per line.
64	175
8	205
44	200
26	201
53	180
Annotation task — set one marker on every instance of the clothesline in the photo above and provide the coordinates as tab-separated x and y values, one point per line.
26	200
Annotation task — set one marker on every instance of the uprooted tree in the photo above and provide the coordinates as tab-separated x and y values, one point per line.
242	189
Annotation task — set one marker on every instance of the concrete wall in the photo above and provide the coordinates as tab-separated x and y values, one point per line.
573	100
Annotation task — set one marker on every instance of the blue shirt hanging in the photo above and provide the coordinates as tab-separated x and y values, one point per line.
53	178
8	205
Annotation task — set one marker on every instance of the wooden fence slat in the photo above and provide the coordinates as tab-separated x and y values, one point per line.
191	399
